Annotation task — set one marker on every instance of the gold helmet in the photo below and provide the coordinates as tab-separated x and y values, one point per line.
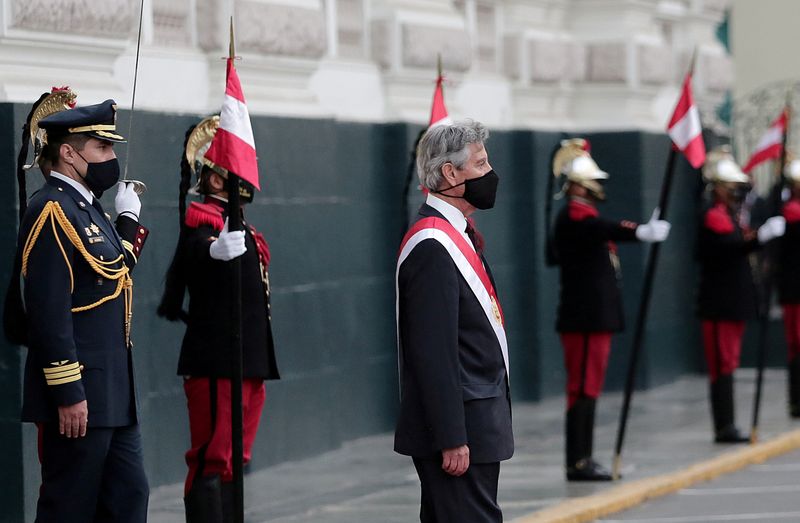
792	168
573	161
720	167
196	146
59	99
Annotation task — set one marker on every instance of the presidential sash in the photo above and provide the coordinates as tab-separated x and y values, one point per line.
469	265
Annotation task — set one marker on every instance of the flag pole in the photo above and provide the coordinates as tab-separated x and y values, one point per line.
767	282
412	163
235	224
644	304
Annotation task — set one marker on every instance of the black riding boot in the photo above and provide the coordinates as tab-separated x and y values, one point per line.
723	412
580	436
794	387
228	503
203	503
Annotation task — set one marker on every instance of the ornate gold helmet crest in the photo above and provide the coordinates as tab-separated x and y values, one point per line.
573	161
721	167
59	99
199	142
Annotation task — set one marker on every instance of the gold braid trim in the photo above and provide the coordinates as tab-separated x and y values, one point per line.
53	213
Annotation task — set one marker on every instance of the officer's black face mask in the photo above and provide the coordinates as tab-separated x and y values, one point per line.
100	176
478	192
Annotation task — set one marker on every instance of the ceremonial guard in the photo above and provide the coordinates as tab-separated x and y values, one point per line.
788	282
76	318
727	297
199	266
590	305
455	406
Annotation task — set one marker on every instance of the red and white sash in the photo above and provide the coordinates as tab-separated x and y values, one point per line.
469	265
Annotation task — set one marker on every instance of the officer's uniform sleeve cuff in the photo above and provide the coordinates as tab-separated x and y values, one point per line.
133	234
63	379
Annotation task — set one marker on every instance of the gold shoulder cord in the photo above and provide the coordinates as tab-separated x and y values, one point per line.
53	213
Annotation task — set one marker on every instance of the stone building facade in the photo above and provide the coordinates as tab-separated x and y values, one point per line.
546	64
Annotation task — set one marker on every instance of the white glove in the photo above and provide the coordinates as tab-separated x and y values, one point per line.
773	228
653	231
228	245
127	201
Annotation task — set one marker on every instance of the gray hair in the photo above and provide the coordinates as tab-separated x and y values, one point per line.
443	144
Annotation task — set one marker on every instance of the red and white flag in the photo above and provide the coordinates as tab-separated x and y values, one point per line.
233	147
771	144
685	129
439	114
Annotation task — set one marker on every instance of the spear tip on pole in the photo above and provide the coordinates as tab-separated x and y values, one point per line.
439	65
232	49
693	61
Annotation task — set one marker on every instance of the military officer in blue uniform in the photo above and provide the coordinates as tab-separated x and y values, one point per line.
76	270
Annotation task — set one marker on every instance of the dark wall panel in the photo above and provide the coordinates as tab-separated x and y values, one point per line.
332	211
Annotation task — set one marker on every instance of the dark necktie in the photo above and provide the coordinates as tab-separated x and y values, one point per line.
96	205
475	236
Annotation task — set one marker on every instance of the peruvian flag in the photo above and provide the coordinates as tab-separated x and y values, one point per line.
233	147
685	129
771	144
439	114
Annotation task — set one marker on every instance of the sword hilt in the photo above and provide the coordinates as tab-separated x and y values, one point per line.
139	187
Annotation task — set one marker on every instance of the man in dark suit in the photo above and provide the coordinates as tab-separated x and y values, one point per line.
200	267
726	298
79	384
590	304
455	406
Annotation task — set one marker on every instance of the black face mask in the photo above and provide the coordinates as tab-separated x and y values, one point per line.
478	192
100	176
739	194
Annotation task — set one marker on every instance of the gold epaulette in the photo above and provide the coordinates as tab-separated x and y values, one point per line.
61	372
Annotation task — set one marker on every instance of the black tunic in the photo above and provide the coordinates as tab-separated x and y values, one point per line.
590	295
205	352
789	248
727	290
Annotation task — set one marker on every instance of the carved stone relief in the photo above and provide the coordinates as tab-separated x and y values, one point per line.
607	62
548	60
422	43
171	22
106	18
280	29
655	64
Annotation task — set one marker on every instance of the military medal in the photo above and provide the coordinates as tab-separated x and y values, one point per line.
496	311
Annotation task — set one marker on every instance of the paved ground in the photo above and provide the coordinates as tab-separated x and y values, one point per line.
365	482
763	493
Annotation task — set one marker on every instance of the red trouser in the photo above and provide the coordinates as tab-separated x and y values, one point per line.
586	359
216	436
722	341
791	324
